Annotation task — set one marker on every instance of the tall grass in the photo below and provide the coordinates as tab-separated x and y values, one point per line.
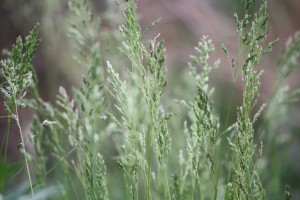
125	106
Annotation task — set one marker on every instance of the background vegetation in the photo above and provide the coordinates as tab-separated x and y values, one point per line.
141	126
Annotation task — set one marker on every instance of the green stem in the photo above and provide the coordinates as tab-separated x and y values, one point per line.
167	183
149	165
23	146
146	178
62	159
6	136
150	128
193	187
137	187
223	144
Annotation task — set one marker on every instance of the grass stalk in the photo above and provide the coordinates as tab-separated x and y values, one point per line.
167	182
24	149
6	137
223	144
149	157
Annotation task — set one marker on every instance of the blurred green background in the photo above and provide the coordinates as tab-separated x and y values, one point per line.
182	24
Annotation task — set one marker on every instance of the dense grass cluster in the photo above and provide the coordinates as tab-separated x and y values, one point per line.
126	108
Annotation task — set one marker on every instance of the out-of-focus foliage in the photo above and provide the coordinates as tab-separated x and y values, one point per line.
118	134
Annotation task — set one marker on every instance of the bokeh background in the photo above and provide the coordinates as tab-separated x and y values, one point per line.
182	24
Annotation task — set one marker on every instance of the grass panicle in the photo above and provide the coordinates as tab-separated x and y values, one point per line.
201	138
243	145
17	72
146	136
